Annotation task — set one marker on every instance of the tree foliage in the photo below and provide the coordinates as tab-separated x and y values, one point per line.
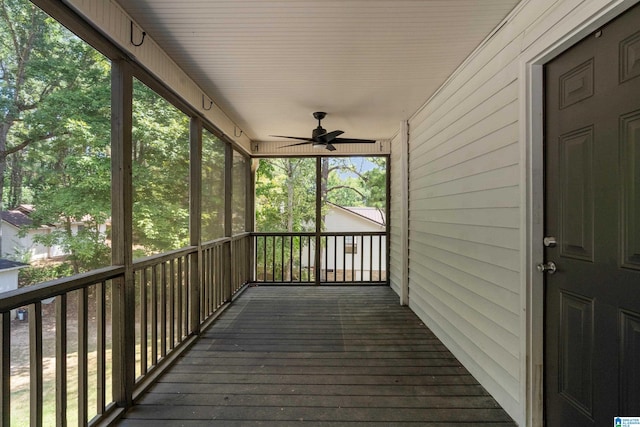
55	143
160	173
285	195
286	189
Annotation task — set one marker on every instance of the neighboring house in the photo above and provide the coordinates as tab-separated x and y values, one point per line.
354	257
9	277
13	244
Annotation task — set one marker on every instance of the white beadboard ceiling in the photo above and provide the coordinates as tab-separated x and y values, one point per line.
270	64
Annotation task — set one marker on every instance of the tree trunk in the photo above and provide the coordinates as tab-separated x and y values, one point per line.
290	201
15	185
4	132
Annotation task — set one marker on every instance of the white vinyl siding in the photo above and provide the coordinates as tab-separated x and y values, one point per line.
467	199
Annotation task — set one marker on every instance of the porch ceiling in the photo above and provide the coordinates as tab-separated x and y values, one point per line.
270	64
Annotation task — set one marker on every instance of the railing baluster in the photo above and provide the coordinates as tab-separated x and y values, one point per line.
344	258
101	320
172	306
282	258
5	369
215	289
61	360
379	258
362	258
205	289
371	259
212	290
181	309
290	259
144	317
273	258
300	243
154	315
354	247
310	269
35	366
83	363
163	309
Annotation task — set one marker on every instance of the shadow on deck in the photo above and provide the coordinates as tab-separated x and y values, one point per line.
325	356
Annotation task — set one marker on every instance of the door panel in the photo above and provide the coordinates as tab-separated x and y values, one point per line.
576	194
630	362
576	341
592	207
630	154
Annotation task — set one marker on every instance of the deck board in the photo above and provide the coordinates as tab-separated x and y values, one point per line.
328	356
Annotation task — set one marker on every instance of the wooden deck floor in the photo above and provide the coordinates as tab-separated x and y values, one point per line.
325	356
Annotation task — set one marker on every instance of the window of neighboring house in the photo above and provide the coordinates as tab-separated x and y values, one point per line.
350	245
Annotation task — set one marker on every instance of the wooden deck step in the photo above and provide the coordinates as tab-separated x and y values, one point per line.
322	356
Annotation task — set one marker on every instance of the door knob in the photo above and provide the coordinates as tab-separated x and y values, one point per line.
550	242
548	267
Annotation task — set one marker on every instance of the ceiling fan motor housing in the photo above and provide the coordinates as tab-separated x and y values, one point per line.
318	131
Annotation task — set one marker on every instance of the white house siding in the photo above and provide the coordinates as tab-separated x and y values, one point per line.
469	264
368	258
13	244
109	17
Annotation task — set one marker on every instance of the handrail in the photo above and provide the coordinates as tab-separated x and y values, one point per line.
24	296
165	256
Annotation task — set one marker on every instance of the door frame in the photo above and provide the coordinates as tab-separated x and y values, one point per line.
583	21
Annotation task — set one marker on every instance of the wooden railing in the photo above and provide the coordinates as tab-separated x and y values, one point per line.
61	364
354	258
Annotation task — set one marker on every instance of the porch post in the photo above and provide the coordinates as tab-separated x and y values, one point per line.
123	322
404	219
228	221
318	237
250	215
195	208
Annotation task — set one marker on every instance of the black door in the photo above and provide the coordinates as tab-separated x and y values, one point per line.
592	208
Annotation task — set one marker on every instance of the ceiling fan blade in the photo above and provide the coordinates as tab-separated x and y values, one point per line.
329	136
352	141
293	137
330	147
299	143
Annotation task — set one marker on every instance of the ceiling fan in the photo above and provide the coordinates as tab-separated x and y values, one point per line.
321	138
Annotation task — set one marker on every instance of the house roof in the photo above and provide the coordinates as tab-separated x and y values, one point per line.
6	264
372	214
16	218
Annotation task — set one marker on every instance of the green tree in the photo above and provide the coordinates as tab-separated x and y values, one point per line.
160	173
285	195
55	129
